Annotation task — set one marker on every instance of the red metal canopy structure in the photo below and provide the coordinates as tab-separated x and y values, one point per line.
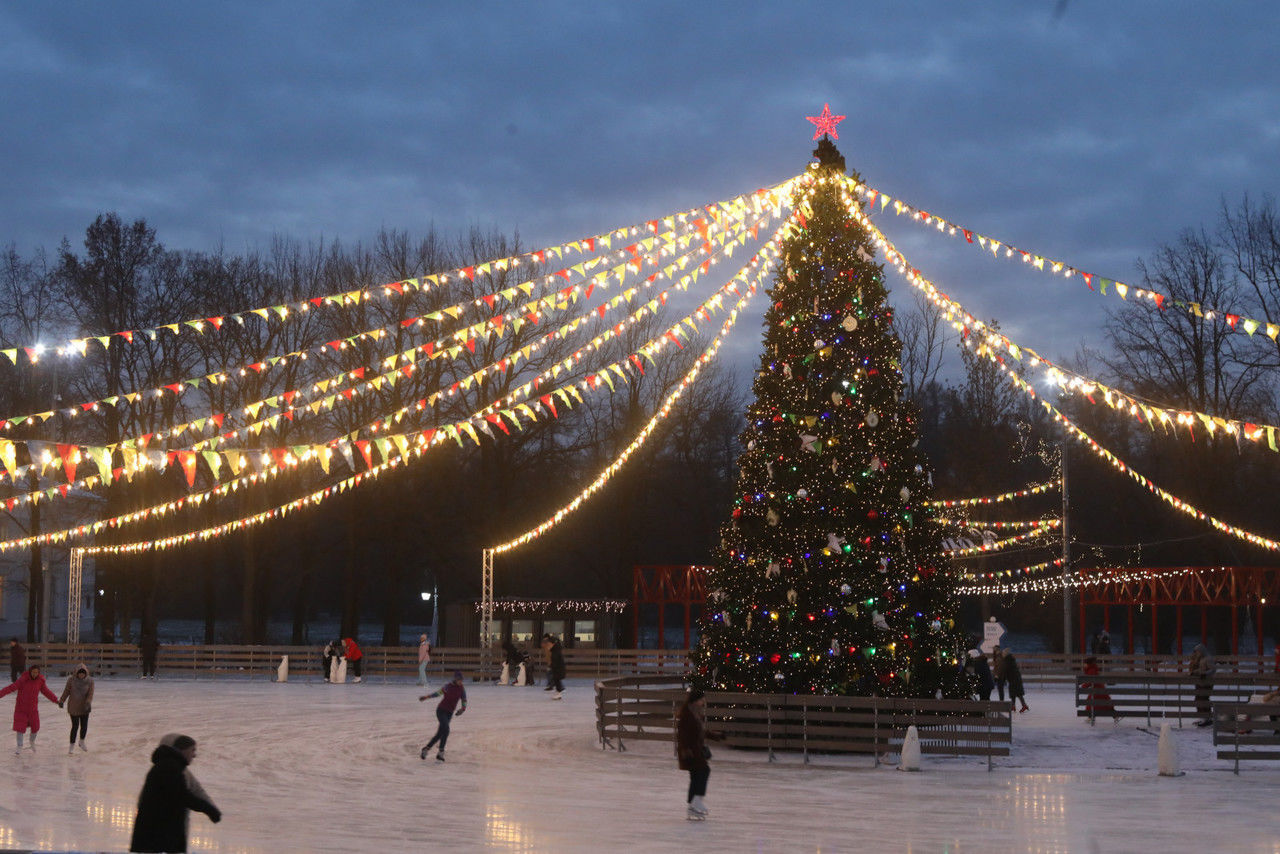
1178	587
667	585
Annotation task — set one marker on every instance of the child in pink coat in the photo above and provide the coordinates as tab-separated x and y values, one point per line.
26	714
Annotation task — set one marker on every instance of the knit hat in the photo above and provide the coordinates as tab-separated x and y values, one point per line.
457	676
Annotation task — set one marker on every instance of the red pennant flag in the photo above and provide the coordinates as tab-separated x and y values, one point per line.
429	347
706	265
126	335
540	256
1160	305
316	301
653	225
471	344
358	373
533	317
363	445
497	419
217	419
591	244
469	272
277	456
409	322
258	366
1232	319
188	461
968	235
488	300
428	434
673	337
591	286
1088	280
63	488
87	406
407	370
502	366
67	453
176	388
550	404
216	321
10	503
755	229
398	287
591	380
639	366
348	393
651	278
601	309
804	223
564	274
289	396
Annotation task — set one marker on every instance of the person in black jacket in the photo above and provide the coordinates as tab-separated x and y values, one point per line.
555	656
168	795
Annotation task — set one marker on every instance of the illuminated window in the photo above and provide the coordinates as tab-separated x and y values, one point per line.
584	632
521	630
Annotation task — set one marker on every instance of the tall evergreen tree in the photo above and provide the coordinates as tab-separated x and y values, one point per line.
829	578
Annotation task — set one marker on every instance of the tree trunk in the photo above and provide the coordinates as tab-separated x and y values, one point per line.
35	576
351	584
248	588
300	602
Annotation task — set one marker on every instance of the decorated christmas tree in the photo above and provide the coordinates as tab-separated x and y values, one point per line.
829	578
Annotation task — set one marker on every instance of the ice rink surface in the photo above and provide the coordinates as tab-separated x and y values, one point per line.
305	766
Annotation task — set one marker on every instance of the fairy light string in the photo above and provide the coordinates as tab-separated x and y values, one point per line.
965	323
423	442
408	447
1049	265
997	499
283	312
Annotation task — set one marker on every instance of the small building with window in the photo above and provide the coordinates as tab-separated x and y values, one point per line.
579	623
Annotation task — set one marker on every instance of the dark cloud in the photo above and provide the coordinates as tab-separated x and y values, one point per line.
1088	131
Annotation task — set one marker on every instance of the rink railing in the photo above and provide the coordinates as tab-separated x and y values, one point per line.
1246	731
379	663
643	708
1159	696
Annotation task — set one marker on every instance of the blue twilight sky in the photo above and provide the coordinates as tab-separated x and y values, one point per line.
1087	130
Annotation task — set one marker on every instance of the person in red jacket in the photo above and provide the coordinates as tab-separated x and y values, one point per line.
351	651
26	714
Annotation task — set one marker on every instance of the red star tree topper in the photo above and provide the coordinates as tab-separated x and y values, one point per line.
825	123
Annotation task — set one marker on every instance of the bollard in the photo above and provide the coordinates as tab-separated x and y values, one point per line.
910	760
282	672
340	672
523	678
505	678
1168	753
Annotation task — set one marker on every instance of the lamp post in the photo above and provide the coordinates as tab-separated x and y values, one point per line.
433	599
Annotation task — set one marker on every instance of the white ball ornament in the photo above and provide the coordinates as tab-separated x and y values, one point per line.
849	323
872	419
802	493
818	344
778	677
845	590
904	493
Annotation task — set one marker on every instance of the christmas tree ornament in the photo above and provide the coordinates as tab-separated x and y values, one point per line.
872	419
791	596
849	323
835	542
772	517
773	570
809	442
845	589
802	493
904	493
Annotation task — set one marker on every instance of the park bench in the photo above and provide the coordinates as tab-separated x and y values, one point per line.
1246	731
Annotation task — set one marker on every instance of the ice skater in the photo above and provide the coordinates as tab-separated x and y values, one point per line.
692	752
997	670
451	695
351	650
1203	668
26	712
981	675
17	659
149	647
77	699
168	795
556	669
1013	676
424	658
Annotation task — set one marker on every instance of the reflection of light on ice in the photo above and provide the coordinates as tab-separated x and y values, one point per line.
1039	800
503	831
115	816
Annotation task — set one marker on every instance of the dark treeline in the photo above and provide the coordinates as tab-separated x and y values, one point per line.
363	555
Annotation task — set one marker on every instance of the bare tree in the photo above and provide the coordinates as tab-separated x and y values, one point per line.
925	340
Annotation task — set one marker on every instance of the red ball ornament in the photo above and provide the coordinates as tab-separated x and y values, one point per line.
872	514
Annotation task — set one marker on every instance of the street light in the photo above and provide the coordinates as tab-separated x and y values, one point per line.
430	596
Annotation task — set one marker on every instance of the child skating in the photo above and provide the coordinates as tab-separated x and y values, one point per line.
26	712
451	694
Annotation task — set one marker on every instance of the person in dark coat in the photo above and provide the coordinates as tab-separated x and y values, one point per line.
1102	642
692	753
555	657
149	646
984	683
168	796
331	652
17	659
1013	676
997	671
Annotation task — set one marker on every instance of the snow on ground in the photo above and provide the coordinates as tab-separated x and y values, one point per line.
305	766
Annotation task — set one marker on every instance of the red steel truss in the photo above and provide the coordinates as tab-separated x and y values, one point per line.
663	586
1203	587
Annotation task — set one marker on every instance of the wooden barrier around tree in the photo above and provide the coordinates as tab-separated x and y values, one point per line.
1246	731
644	708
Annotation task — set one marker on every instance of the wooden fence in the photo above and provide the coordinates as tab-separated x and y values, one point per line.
644	708
1176	696
385	663
1246	731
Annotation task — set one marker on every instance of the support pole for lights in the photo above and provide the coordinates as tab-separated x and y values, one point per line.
1066	552
486	611
75	580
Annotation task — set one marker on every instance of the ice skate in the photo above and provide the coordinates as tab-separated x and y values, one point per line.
440	756
557	696
357	679
423	753
1024	708
71	748
82	747
694	815
698	806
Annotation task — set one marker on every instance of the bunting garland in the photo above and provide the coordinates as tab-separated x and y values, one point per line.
999	545
1040	262
79	346
1150	414
1075	581
1012	573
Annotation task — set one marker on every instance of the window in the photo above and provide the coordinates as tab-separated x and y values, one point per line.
521	630
584	632
554	627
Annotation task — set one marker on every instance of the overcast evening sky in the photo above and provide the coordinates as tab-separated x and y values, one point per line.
1087	130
